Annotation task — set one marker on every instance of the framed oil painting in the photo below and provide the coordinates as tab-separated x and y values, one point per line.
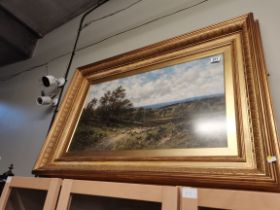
155	111
192	110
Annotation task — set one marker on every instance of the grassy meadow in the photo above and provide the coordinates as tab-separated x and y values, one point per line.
112	123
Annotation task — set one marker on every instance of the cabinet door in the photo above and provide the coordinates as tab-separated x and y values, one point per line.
223	199
24	193
88	195
87	202
22	199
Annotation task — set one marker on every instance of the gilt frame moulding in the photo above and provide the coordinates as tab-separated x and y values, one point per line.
153	137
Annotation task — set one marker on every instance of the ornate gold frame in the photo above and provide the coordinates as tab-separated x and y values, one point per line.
252	136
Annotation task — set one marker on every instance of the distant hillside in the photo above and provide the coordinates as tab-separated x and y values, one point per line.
182	101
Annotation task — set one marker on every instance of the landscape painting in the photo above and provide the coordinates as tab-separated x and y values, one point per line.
178	106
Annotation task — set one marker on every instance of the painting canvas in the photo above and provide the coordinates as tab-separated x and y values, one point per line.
177	106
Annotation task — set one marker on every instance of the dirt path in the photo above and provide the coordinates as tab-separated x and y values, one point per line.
111	140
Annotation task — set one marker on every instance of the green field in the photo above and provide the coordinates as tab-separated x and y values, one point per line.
116	125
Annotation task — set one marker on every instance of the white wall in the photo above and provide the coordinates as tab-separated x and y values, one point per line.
24	125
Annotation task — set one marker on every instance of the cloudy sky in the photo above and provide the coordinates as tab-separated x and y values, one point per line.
186	80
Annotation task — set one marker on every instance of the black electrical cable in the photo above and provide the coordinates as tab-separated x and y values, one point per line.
99	3
104	39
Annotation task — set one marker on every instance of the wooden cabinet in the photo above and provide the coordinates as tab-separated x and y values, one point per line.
210	199
23	193
42	193
76	195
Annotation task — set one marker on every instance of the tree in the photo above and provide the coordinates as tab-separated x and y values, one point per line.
88	114
140	114
92	104
114	106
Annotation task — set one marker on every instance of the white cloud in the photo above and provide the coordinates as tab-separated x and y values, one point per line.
181	81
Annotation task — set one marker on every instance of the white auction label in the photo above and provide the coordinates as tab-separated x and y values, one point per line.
189	192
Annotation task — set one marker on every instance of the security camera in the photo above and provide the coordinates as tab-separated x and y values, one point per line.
47	100
50	80
48	96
